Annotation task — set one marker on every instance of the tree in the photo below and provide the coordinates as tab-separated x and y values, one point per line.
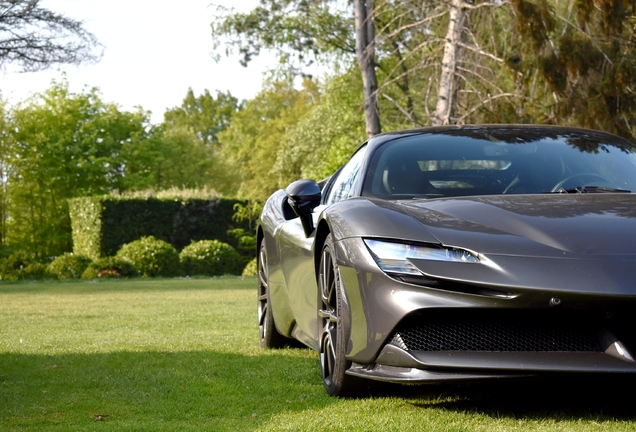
5	140
300	31
304	30
189	134
205	115
251	144
172	156
326	135
365	53
36	38
64	145
583	55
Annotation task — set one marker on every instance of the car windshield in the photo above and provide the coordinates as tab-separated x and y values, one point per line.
492	162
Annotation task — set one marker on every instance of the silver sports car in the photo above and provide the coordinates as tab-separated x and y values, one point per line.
457	253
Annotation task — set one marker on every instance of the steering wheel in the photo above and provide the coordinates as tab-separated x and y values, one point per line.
560	184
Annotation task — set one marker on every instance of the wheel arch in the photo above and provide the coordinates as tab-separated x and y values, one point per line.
322	231
259	238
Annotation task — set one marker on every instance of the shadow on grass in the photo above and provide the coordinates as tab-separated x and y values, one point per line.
196	390
589	398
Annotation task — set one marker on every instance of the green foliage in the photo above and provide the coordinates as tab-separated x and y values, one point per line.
35	271
68	266
205	115
151	257
12	266
210	258
246	240
250	269
63	145
110	267
323	139
173	193
296	29
256	135
584	57
153	163
248	212
86	225
187	135
102	225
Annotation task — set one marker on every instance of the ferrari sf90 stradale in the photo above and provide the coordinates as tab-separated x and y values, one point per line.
458	253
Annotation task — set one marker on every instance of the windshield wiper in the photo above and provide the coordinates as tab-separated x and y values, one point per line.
593	189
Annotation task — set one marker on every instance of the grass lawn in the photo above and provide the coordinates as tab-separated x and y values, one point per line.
181	355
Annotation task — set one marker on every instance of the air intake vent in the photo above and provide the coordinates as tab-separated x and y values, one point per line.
496	336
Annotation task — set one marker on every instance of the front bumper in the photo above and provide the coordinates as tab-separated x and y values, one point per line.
379	306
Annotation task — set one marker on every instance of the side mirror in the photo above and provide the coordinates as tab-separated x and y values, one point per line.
303	197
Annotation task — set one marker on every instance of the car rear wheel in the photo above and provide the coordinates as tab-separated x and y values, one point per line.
334	326
269	336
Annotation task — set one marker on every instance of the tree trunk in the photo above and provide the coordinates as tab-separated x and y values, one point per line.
446	90
365	52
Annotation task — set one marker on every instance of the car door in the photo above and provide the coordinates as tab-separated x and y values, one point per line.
297	255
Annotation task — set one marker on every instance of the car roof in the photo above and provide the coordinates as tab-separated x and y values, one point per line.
482	131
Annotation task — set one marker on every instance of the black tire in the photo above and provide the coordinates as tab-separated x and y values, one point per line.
268	334
334	328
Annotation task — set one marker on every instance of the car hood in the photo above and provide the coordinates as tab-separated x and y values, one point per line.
556	225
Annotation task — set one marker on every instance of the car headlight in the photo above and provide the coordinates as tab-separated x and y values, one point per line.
394	257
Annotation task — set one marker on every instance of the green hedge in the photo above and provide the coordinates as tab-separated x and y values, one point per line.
102	225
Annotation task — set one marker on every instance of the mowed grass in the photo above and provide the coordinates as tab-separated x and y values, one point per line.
179	355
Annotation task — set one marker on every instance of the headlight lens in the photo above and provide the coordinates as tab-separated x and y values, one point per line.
393	257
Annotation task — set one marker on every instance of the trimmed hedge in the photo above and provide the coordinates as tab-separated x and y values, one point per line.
152	257
210	258
102	225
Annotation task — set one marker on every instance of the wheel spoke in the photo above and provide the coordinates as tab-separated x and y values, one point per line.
262	312
262	279
328	315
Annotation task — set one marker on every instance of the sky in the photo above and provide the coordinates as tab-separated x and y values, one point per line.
153	51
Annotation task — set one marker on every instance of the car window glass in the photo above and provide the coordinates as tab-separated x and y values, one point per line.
342	187
446	165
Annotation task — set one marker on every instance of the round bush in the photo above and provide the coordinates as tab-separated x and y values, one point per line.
210	258
250	269
68	266
151	257
110	267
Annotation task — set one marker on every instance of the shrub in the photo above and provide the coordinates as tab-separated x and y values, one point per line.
246	241
151	257
211	258
11	266
250	269
110	267
68	266
35	271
